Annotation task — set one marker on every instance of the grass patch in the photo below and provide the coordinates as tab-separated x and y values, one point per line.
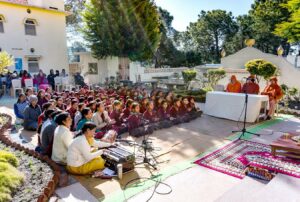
10	177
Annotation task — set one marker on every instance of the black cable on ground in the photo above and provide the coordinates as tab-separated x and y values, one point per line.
157	183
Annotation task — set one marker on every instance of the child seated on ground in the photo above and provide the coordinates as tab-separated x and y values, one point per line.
126	112
136	124
19	108
119	125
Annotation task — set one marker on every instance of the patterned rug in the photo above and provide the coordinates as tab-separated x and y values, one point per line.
234	158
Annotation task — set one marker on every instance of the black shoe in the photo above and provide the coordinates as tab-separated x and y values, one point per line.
268	118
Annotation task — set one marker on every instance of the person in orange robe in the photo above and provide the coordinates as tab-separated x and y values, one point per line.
250	87
273	90
234	86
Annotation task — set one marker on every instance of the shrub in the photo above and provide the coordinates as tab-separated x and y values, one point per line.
10	177
7	157
5	61
188	75
215	75
261	68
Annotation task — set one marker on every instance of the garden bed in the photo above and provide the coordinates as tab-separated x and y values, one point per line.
41	174
37	175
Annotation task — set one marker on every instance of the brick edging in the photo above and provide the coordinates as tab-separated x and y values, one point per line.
52	184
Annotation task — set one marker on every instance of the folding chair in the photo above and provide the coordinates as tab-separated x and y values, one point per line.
29	84
66	83
58	83
16	85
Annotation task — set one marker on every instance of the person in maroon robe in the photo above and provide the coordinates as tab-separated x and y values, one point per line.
60	103
136	125
115	115
175	109
185	108
150	115
72	111
164	111
250	87
126	112
144	103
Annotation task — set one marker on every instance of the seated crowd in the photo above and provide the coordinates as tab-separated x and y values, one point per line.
70	123
38	79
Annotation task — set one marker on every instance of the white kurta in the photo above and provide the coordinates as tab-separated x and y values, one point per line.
79	152
62	140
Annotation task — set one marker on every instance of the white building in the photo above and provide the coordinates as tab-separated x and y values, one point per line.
34	32
96	71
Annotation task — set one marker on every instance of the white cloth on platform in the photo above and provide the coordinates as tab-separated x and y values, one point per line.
230	105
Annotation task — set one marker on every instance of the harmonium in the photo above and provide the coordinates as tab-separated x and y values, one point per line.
119	155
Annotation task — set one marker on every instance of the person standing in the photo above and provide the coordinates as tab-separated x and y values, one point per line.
274	91
63	73
25	76
50	79
41	78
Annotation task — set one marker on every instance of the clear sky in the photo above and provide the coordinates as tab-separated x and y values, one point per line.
186	11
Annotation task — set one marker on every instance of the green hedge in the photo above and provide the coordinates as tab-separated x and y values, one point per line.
199	95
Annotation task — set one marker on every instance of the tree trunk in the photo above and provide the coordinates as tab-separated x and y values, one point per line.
217	47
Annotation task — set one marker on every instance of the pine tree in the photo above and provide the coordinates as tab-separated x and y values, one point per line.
127	28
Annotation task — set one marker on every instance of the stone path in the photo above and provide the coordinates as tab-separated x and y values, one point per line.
179	146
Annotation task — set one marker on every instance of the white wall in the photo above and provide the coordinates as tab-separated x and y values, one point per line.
49	43
47	3
106	67
292	58
147	74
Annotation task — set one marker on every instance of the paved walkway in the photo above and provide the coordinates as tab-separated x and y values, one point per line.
178	147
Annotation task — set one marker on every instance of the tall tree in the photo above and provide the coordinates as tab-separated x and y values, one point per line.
167	53
245	31
127	28
290	28
75	7
210	32
266	14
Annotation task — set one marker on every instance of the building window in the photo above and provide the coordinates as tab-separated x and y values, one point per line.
93	68
33	65
2	24
30	27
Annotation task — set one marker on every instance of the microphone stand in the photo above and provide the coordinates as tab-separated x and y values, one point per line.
147	150
244	130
